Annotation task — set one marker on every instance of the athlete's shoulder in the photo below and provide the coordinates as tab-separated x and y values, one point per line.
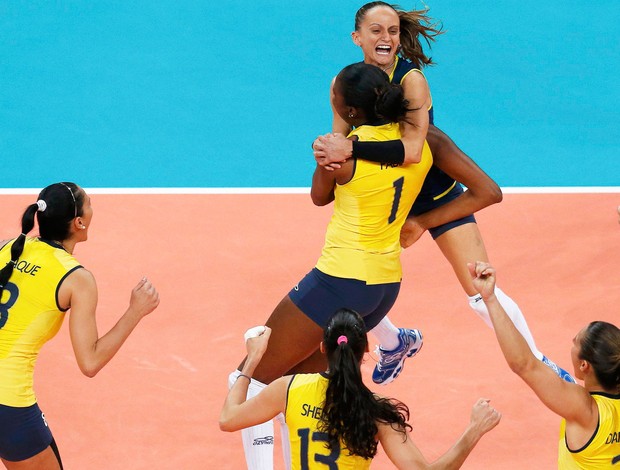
80	278
403	68
298	379
366	132
406	64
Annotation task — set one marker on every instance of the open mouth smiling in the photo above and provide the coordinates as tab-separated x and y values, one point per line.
383	49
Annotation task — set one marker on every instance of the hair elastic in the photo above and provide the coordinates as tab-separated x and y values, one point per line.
42	205
342	339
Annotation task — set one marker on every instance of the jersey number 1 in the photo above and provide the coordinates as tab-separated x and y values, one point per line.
398	192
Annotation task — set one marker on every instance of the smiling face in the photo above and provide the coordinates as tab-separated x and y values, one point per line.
378	35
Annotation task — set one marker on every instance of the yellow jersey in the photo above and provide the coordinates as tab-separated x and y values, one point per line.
304	403
602	452
29	314
363	237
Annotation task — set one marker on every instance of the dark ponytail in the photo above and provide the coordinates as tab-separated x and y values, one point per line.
368	88
18	245
391	103
351	410
56	206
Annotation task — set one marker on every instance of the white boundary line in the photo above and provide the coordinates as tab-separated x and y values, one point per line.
506	190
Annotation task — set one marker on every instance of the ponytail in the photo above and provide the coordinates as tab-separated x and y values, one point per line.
391	103
18	245
351	411
413	25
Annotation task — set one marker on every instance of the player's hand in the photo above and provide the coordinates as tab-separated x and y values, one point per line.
483	278
257	345
331	150
484	417
144	298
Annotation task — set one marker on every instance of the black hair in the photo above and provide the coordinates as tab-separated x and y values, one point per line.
600	346
63	202
351	411
368	88
413	25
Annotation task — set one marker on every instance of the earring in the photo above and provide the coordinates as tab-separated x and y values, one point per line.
351	115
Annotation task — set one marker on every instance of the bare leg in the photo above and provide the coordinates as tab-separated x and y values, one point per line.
462	245
294	337
45	460
316	362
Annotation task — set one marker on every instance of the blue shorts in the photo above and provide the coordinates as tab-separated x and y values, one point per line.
319	295
23	432
425	205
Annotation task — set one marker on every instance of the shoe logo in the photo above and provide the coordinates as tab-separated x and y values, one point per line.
260	441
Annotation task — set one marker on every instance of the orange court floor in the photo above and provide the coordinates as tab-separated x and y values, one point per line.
221	264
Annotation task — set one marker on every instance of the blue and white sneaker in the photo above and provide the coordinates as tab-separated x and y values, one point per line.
564	375
390	363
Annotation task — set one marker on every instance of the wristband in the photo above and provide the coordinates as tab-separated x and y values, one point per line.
243	375
389	151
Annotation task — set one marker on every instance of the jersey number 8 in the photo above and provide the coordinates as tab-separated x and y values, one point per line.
4	307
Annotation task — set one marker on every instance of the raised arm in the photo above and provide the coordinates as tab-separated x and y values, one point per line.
406	455
237	413
569	400
79	292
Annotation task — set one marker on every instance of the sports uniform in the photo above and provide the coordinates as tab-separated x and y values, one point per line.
359	267
305	398
602	451
29	317
438	188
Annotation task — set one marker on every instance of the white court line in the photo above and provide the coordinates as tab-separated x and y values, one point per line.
506	190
